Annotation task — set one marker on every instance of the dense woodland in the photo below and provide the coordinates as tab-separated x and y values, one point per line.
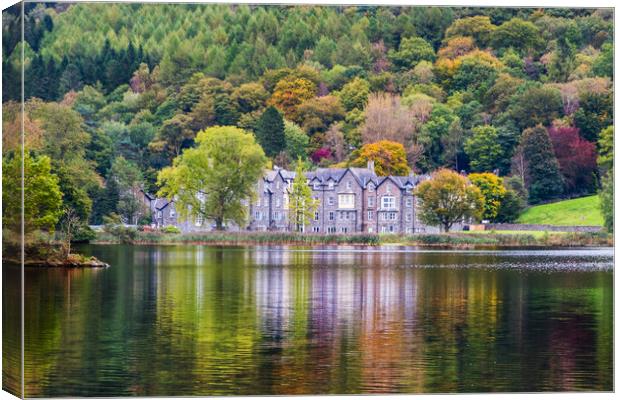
116	91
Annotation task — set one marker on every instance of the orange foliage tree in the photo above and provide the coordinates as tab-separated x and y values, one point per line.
289	93
389	158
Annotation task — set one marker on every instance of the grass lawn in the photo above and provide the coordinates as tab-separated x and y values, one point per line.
536	234
582	211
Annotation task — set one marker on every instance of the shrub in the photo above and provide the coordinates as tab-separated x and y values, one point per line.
170	229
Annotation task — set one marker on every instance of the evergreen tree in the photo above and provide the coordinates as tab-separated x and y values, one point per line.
542	177
270	132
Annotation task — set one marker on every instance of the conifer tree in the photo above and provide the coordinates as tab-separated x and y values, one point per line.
270	132
542	173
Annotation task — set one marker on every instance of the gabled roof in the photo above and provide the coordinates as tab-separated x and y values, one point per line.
161	203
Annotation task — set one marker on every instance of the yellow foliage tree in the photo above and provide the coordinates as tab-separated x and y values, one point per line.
389	158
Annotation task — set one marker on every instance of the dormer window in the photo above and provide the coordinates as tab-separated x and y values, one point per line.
330	184
371	187
316	186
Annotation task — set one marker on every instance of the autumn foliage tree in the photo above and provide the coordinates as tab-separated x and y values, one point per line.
289	93
389	158
492	188
577	159
448	198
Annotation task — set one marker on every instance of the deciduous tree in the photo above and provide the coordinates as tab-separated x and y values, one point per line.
483	149
448	198
301	204
492	188
389	158
215	179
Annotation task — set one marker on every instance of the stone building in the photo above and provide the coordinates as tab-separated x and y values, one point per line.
350	200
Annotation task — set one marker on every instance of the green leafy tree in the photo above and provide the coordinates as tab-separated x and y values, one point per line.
129	181
607	200
536	105
410	52
296	141
301	204
604	63
517	34
448	198
606	149
270	132
215	179
492	188
478	27
483	149
511	207
594	114
42	196
542	170
355	94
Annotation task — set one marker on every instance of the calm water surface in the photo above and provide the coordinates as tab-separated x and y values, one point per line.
198	320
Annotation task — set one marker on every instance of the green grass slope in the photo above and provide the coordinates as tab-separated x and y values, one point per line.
582	211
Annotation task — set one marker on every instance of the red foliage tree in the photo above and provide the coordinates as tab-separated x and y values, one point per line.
577	158
320	154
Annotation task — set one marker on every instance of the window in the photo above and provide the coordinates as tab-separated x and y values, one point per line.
383	229
285	201
278	185
316	229
409	230
158	214
331	216
330	185
388	202
277	202
391	228
316	185
172	213
199	220
343	229
370	215
257	215
276	215
408	217
346	201
408	201
330	200
316	215
371	202
340	215
265	202
370	230
331	229
371	187
346	215
348	185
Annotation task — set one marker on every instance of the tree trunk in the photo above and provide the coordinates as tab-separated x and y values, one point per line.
219	225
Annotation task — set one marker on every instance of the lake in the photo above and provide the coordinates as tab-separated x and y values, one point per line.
198	320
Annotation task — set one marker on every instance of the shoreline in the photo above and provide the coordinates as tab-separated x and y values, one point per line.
453	240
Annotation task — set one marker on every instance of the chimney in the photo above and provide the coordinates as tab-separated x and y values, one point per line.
371	166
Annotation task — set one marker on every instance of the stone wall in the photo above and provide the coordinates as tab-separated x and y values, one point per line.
535	227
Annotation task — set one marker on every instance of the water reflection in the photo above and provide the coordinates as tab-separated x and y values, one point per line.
193	320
